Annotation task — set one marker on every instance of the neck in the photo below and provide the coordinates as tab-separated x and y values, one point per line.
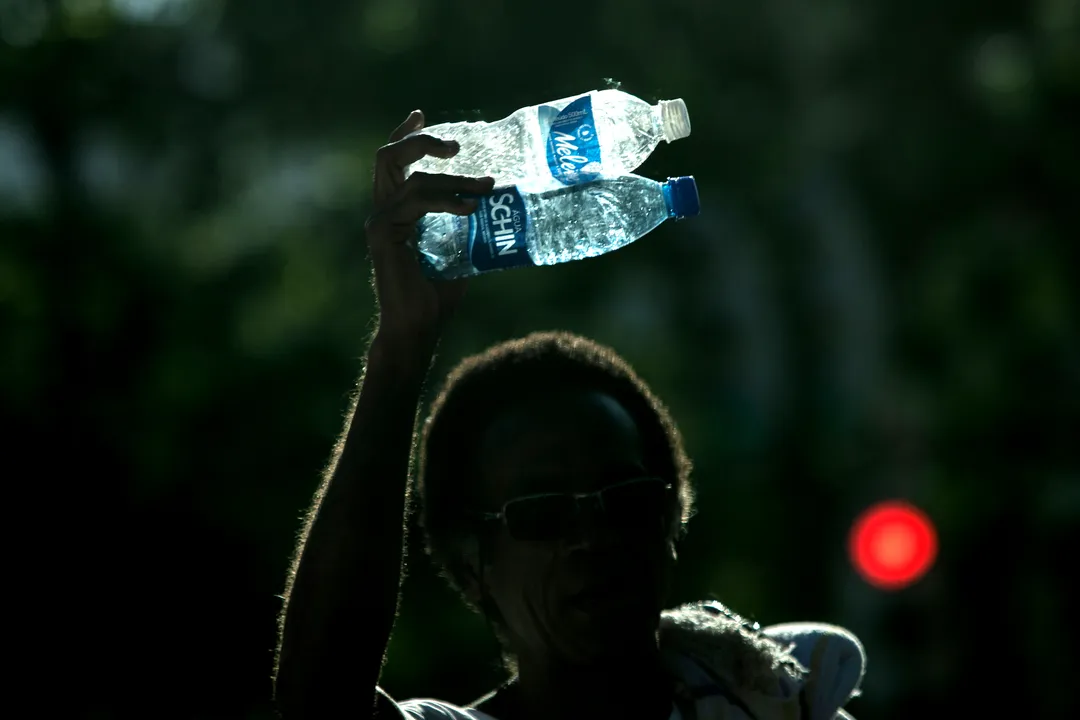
630	685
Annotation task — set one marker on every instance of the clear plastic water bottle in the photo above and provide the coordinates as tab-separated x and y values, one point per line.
576	139
516	226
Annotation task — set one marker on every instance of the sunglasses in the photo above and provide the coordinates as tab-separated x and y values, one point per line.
637	506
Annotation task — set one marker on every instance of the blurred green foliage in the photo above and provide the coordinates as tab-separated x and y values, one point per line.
879	300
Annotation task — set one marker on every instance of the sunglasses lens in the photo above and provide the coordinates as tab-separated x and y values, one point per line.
638	505
540	518
632	507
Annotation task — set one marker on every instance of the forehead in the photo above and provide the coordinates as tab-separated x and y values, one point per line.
568	441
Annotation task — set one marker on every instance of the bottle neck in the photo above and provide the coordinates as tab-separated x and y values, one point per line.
668	200
658	122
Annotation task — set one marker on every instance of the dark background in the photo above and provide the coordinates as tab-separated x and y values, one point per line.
878	301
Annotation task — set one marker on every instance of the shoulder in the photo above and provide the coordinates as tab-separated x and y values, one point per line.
834	658
428	709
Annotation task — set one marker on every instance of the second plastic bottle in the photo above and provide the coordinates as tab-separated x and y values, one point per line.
514	226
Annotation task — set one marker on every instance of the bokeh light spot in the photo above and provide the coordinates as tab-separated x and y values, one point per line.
892	544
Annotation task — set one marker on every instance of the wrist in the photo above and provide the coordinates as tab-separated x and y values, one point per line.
407	359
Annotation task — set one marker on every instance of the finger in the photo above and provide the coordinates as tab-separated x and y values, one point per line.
391	161
417	205
421	182
407	207
408	211
423	193
414	122
397	155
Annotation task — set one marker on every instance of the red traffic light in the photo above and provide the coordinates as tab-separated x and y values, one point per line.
892	544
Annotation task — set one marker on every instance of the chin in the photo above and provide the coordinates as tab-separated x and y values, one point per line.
605	651
612	636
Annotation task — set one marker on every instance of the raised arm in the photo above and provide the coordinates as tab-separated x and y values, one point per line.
341	593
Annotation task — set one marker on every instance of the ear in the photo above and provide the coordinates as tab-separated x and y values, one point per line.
674	546
675	542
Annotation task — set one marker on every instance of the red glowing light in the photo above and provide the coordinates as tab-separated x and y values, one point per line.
892	544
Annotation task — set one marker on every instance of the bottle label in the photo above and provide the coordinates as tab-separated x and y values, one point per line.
497	231
573	149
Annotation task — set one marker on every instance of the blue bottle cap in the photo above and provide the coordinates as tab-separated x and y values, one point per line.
684	196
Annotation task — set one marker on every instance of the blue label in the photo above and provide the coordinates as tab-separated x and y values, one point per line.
573	149
497	231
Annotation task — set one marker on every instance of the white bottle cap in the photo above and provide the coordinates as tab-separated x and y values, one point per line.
675	119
